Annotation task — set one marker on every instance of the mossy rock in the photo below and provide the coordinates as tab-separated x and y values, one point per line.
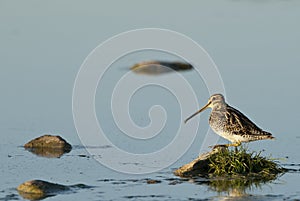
38	189
231	171
222	162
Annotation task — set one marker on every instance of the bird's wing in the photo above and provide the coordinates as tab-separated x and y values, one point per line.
239	124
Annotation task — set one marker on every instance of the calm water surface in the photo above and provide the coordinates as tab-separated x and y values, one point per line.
255	45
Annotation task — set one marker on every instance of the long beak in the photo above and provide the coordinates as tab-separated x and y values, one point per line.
206	106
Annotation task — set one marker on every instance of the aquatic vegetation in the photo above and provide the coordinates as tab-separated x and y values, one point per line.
231	170
222	161
241	162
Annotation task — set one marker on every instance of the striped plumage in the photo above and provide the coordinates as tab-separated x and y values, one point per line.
230	123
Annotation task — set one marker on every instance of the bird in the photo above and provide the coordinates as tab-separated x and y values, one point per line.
230	123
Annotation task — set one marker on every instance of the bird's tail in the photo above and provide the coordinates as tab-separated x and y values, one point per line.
268	135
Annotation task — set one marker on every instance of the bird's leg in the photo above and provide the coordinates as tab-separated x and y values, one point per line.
218	145
236	144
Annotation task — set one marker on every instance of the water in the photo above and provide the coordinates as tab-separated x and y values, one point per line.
255	45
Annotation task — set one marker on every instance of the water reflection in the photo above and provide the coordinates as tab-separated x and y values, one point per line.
235	186
48	152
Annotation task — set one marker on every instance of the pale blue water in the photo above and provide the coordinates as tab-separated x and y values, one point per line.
255	45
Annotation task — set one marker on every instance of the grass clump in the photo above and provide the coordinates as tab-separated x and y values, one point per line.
239	162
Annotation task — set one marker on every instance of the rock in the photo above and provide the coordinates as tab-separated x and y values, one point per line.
153	181
199	166
48	141
48	146
38	189
159	67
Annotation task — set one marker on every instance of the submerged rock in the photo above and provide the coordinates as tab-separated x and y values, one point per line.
38	189
153	181
48	146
